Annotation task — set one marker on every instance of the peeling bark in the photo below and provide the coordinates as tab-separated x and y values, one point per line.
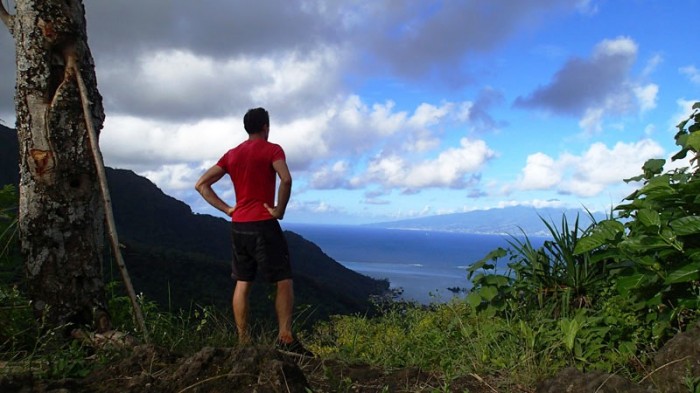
61	217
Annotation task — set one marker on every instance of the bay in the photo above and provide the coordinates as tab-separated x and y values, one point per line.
422	263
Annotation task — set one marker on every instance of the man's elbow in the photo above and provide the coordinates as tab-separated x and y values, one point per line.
199	186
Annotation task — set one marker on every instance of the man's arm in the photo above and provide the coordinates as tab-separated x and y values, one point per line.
203	186
284	190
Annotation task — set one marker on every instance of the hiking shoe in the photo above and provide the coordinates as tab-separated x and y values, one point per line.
294	348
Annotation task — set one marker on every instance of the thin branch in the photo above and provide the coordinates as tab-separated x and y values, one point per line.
6	17
71	63
664	366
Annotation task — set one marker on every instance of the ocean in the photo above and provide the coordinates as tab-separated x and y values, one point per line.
423	263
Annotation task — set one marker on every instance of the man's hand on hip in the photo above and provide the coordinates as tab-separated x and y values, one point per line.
275	211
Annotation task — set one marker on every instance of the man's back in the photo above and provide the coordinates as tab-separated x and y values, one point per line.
250	167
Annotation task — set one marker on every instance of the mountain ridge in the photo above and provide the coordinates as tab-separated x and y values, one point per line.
513	220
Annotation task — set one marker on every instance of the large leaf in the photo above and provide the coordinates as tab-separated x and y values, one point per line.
686	273
686	225
569	329
488	293
602	233
693	141
659	184
627	284
680	155
653	167
496	279
474	300
648	244
491	256
649	217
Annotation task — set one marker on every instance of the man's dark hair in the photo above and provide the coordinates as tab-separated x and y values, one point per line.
255	119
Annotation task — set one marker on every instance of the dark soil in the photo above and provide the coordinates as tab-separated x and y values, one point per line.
247	369
263	369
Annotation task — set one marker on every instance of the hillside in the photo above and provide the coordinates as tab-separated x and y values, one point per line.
508	220
9	170
179	258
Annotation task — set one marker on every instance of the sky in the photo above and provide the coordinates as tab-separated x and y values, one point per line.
397	109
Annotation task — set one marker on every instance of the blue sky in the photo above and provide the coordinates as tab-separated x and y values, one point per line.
396	109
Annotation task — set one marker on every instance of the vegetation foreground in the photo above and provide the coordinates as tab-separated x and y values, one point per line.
612	307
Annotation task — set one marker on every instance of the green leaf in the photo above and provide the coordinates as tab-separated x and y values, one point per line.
654	300
496	279
601	234
488	293
658	184
694	141
634	179
689	272
474	299
682	136
491	256
686	225
626	284
649	217
570	328
680	155
653	166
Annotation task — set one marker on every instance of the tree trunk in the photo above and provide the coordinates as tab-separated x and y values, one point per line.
61	218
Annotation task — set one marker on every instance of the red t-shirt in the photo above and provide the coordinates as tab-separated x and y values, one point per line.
250	167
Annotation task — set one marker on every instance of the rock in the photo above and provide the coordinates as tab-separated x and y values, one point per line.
571	380
248	369
678	362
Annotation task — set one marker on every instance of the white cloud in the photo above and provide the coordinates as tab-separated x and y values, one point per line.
600	166
646	95
621	46
587	7
180	84
589	174
427	115
592	120
448	169
174	177
536	203
692	73
303	139
540	172
330	177
652	65
384	120
685	108
148	144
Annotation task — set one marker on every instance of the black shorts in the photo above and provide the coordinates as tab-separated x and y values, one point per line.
260	244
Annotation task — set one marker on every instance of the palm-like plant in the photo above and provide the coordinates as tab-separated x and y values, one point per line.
548	276
553	272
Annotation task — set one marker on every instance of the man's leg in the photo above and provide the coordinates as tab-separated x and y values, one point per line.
240	309
284	305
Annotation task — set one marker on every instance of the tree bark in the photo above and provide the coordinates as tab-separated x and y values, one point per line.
61	218
5	17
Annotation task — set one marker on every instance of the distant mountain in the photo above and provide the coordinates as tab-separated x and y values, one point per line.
179	258
507	220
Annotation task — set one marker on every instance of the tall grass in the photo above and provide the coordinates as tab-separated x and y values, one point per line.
454	340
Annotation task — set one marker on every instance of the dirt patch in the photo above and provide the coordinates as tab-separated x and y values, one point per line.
259	369
263	369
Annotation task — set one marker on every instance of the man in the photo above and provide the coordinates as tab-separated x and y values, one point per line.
258	241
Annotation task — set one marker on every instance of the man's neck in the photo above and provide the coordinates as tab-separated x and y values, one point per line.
256	136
